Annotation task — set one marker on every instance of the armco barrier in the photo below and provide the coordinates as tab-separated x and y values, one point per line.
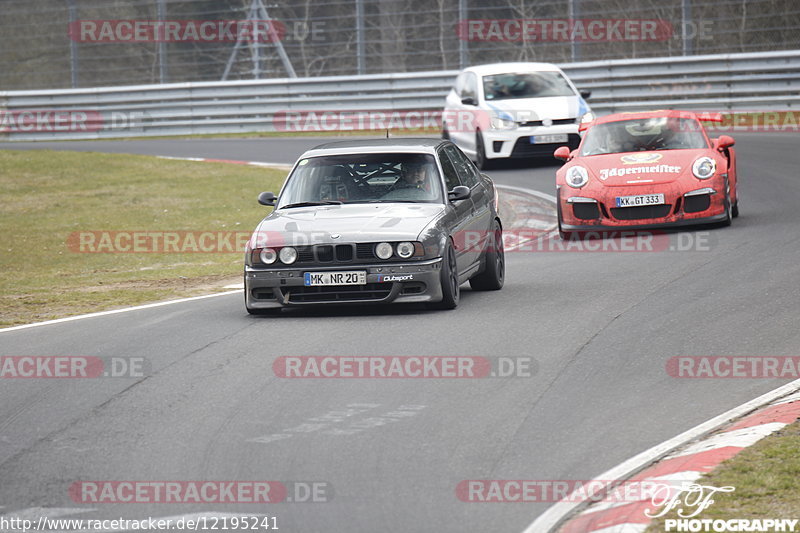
767	80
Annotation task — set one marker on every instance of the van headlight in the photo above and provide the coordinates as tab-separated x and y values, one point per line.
577	177
502	123
704	167
585	118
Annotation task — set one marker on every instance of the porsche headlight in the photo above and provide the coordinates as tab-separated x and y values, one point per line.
577	177
704	167
268	256
503	123
288	255
405	249
384	250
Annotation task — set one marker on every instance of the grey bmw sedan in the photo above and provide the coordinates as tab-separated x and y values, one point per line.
379	221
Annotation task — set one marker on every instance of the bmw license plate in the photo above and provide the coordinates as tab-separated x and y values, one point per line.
640	199
353	277
549	139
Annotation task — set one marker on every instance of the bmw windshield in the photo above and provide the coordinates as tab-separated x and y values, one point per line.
363	178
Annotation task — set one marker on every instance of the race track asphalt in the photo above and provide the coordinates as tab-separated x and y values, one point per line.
601	327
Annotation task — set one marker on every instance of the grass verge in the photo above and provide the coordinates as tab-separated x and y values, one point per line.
766	477
48	196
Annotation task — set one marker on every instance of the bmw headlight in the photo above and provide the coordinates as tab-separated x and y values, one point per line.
288	255
405	249
384	250
577	177
503	123
268	256
704	167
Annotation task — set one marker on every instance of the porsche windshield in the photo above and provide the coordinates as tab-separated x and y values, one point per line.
640	135
525	85
363	178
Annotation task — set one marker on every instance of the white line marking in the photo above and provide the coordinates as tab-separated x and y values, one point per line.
264	164
674	480
557	513
789	399
739	438
34	513
115	311
543	195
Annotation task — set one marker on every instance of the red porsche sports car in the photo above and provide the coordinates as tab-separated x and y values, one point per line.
646	170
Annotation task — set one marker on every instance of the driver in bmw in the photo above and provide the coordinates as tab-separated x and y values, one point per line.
415	176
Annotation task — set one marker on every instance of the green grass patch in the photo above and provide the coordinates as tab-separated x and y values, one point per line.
48	196
766	477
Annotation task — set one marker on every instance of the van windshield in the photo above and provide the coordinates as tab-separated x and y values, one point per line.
525	85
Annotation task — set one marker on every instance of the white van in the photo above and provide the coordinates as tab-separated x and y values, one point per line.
521	110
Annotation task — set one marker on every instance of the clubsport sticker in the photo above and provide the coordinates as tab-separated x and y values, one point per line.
394	277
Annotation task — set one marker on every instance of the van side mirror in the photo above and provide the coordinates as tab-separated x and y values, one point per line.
267	198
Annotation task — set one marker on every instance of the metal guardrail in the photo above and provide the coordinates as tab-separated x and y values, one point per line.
768	80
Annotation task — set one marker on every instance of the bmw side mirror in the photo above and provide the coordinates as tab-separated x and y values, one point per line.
562	153
461	192
468	100
724	141
267	198
586	94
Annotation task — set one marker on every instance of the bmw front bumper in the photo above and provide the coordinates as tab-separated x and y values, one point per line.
407	282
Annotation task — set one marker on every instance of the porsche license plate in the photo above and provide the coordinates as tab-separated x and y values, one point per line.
353	277
549	139
640	199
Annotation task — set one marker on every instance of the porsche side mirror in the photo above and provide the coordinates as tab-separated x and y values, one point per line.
562	153
267	198
461	192
724	141
586	94
468	100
